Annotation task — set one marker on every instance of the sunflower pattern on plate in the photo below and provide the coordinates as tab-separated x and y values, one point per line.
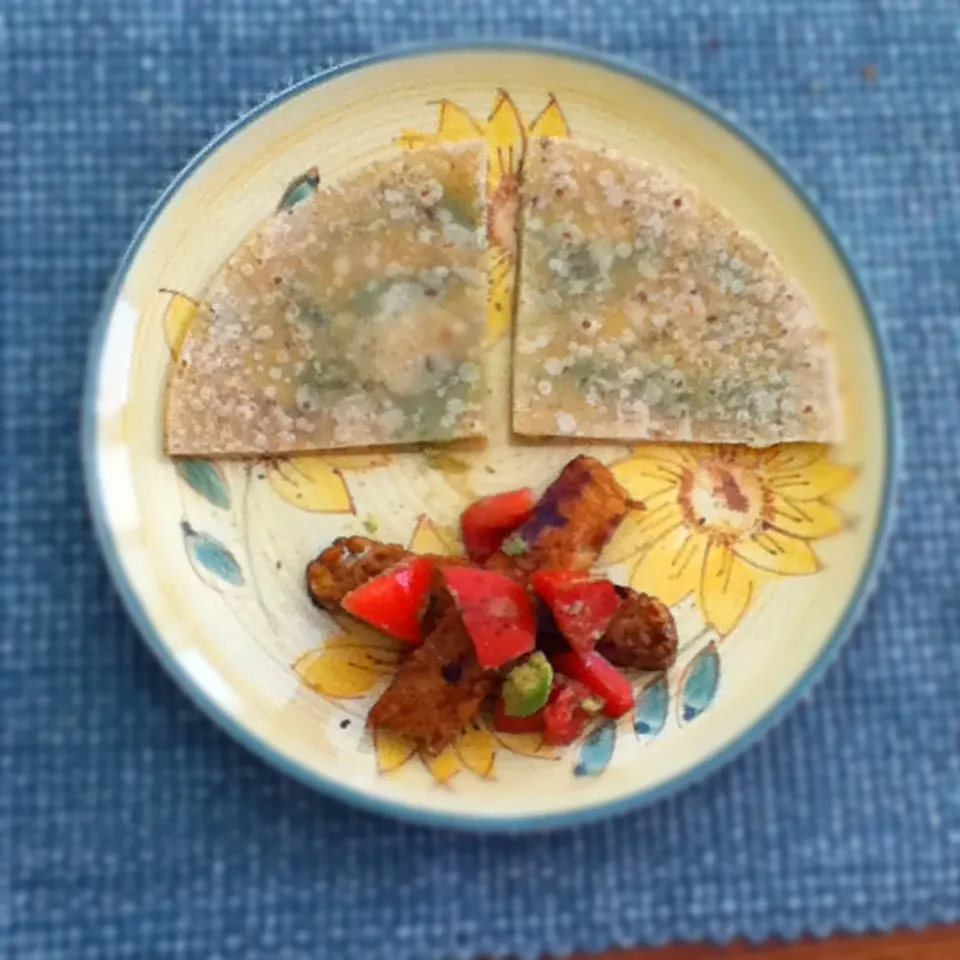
721	522
318	484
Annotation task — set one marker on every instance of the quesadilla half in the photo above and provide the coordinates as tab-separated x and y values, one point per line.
352	318
644	313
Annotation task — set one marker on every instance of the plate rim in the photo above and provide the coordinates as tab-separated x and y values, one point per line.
398	809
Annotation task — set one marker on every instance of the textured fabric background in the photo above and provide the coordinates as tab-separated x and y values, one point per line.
131	827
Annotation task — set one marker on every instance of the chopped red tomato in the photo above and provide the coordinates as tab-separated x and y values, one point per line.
486	523
583	608
505	724
395	601
565	716
601	677
497	613
545	581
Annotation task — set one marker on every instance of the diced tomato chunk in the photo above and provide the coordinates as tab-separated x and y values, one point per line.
564	717
583	608
486	523
395	601
546	582
497	613
505	724
601	677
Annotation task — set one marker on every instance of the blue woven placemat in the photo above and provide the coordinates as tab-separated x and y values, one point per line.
131	827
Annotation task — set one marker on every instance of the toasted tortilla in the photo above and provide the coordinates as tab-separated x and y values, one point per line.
353	318
644	313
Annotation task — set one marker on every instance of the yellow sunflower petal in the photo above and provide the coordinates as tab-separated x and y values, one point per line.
456	471
809	520
506	138
528	745
179	315
736	454
550	122
778	553
500	308
727	588
444	766
454	123
813	482
392	751
683	454
641	529
358	461
447	462
432	538
386	649
661	514
627	541
346	667
477	750
310	483
671	568
414	140
792	456
644	477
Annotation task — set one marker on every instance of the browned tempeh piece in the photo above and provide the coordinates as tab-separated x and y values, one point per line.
642	635
571	522
439	689
346	564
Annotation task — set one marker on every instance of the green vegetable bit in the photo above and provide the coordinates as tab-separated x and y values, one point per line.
527	687
515	547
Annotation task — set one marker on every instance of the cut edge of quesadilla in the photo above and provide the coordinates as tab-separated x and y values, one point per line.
353	319
644	312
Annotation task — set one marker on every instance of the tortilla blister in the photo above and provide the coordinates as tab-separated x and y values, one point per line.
354	318
645	313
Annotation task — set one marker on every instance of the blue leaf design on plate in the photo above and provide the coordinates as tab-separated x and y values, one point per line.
299	189
699	684
596	751
650	714
207	479
210	556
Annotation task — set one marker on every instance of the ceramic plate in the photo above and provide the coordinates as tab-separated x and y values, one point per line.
765	556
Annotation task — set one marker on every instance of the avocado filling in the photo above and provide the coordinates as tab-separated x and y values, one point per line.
527	686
